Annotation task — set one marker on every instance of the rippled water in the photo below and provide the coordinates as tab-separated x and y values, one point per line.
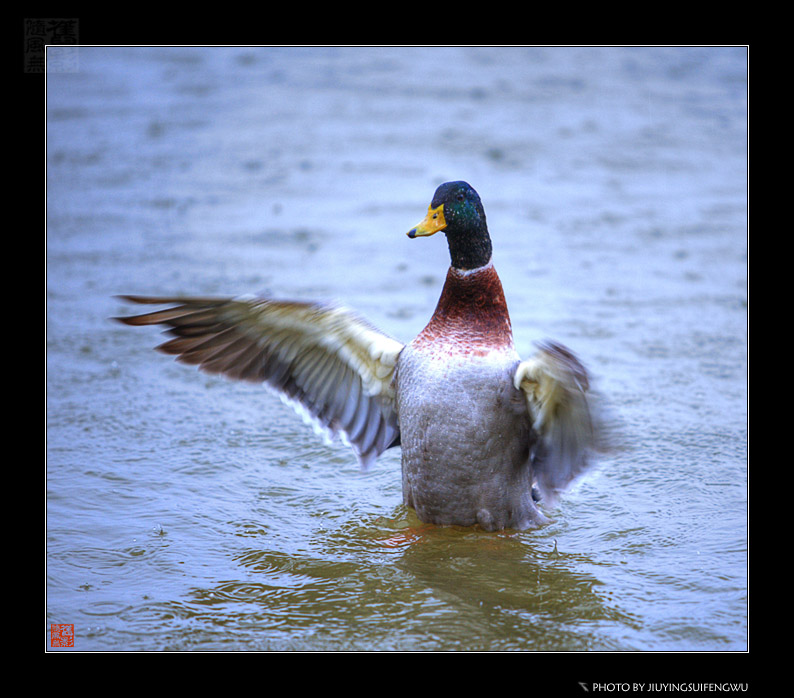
186	512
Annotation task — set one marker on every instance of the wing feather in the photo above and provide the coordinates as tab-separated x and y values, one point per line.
330	364
555	385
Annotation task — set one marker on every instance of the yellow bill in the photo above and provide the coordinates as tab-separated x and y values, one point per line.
432	223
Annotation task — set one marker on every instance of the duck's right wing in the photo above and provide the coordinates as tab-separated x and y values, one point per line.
330	365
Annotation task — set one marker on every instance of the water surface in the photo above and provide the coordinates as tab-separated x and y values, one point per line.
186	512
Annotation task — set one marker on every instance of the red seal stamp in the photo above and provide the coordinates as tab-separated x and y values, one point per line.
61	635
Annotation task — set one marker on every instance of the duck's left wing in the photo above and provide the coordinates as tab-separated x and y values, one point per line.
331	365
555	385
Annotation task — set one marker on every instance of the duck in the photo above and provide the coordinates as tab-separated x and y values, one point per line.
487	438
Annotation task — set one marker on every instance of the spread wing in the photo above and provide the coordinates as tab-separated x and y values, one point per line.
332	366
555	384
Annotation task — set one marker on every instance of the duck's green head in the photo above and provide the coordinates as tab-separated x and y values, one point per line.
457	210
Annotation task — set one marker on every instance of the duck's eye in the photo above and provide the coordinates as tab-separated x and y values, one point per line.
460	197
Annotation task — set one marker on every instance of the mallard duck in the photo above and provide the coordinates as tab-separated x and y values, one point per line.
484	435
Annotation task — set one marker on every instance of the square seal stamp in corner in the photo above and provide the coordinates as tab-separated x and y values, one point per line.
61	635
51	45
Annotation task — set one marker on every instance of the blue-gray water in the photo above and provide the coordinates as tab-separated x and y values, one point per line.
186	512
